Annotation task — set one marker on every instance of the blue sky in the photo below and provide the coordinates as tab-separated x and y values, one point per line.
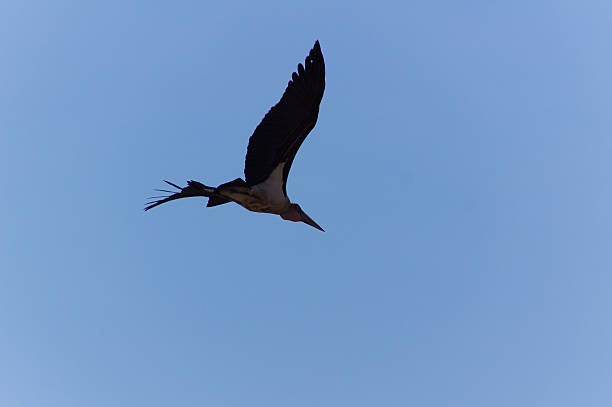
460	166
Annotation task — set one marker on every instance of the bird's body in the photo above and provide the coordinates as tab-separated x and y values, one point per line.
271	150
268	195
265	197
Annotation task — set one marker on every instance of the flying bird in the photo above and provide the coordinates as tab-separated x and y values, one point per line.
271	150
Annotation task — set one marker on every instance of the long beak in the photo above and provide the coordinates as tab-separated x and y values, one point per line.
306	219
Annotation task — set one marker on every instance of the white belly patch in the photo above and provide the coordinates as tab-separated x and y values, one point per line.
271	190
266	196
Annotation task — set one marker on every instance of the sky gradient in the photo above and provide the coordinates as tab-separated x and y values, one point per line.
460	167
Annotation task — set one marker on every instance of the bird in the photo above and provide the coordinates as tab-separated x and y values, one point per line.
270	152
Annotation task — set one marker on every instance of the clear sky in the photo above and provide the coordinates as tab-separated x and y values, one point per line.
460	166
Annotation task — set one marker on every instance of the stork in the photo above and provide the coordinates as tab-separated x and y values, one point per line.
271	150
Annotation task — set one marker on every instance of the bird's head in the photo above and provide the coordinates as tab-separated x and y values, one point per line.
295	214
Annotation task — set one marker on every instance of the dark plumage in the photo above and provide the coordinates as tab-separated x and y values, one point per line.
271	149
283	129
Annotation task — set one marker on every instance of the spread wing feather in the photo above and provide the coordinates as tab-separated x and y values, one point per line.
283	129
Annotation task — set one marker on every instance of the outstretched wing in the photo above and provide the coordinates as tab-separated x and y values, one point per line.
281	132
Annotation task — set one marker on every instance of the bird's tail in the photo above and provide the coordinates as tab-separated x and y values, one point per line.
193	188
